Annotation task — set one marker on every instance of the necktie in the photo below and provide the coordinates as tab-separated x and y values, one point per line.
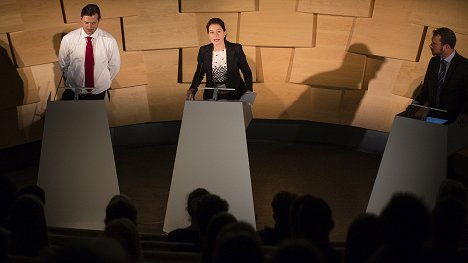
443	68
89	65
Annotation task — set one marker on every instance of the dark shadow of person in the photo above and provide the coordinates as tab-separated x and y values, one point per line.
11	96
352	93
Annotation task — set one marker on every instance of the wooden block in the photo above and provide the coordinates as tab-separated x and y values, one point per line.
39	14
42	45
30	123
18	126
113	26
10	16
5	55
108	8
428	13
230	21
161	32
132	71
166	97
157	8
189	62
356	8
46	78
30	92
328	67
376	36
375	108
128	106
38	46
217	6
291	28
334	31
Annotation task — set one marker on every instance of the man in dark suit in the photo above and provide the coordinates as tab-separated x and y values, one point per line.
446	81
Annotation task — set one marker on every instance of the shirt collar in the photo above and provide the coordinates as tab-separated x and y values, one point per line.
450	57
94	35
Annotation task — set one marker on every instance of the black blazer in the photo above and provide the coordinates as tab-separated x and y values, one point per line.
235	60
454	95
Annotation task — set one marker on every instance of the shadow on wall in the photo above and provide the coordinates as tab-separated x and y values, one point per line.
11	96
339	109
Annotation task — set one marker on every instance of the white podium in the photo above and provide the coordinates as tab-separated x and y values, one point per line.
211	154
415	160
77	168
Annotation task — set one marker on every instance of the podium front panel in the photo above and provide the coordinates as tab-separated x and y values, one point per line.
77	168
211	154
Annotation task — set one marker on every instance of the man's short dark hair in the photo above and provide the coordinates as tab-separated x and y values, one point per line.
447	36
90	10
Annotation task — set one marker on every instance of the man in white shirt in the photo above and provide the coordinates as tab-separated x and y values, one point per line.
89	58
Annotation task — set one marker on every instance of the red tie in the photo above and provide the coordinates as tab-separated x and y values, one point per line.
89	65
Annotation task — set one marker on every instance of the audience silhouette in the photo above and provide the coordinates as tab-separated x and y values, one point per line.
238	242
363	239
281	205
126	234
215	226
120	206
298	251
7	197
29	234
190	234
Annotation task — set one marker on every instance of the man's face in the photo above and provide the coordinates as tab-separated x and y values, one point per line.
90	23
437	48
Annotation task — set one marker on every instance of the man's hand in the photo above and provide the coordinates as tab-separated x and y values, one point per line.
462	120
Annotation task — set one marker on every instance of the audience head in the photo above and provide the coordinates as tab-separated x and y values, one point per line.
3	245
120	206
215	226
448	222
297	251
447	36
294	214
99	250
126	234
363	239
315	220
28	235
238	242
208	207
452	188
33	190
193	201
405	222
281	205
7	196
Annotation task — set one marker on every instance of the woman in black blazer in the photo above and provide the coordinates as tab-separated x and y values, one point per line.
221	60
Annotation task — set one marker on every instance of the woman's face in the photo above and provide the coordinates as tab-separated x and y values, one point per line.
216	34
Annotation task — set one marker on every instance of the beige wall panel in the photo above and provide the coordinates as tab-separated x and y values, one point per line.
38	46
388	33
46	78
412	73
376	108
30	94
38	14
10	16
334	31
157	8
279	99
189	62
161	32
166	97
217	5
30	124
128	106
277	24
230	21
132	71
42	45
6	51
112	26
18	126
109	8
328	67
452	14
357	8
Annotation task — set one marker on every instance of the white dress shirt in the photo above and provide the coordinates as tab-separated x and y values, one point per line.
72	59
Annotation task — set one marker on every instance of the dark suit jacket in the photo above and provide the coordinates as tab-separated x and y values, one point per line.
454	96
235	60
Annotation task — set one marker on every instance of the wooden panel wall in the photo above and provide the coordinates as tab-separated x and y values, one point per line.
350	62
